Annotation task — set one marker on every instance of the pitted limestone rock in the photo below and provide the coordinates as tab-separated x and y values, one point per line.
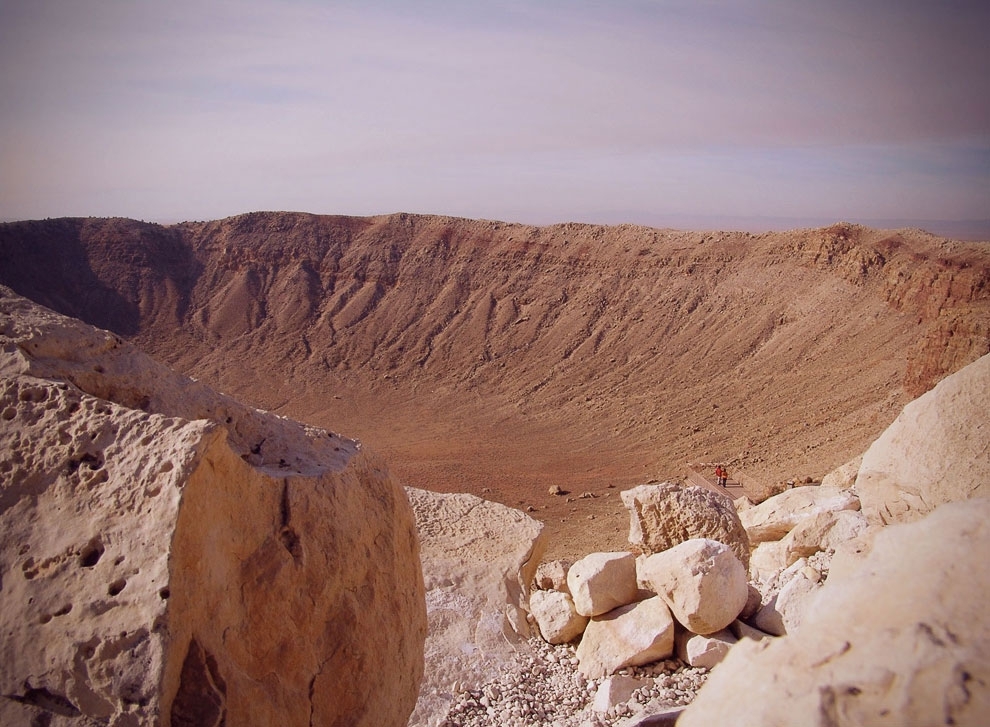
663	515
157	568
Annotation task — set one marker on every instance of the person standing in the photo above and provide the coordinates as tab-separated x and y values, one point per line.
721	475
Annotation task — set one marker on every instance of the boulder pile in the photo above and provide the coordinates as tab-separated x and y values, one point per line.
841	618
680	600
612	640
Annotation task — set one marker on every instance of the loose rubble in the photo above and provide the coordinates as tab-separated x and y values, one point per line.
544	687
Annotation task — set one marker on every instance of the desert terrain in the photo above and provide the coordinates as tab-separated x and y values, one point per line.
503	360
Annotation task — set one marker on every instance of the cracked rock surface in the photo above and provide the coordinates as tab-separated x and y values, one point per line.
169	556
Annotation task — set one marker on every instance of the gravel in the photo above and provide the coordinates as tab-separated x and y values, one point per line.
545	688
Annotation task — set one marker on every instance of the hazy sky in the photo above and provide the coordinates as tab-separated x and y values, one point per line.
647	111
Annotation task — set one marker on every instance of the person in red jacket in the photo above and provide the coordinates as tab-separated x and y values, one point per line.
721	475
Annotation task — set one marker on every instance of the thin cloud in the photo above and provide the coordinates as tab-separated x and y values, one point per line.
138	108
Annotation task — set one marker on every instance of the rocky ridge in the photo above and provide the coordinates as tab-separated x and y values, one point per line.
59	472
597	355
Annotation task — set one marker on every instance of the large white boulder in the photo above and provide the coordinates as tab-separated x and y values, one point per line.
479	559
702	582
776	516
556	617
936	451
663	515
169	556
600	582
638	633
904	638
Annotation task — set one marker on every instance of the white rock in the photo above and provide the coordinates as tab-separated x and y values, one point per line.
753	600
773	518
171	556
552	575
703	651
849	555
663	515
555	615
934	452
843	477
742	503
631	635
479	558
702	582
742	630
902	639
600	582
767	558
785	611
615	690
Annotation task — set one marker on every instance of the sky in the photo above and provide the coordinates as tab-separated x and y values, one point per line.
740	114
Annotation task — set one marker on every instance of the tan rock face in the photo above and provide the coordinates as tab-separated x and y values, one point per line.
156	570
773	518
479	558
934	452
630	635
903	638
309	566
661	516
702	582
89	504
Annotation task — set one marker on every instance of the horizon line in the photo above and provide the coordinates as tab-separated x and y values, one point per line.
965	230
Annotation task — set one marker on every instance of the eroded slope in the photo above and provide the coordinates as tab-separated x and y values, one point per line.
482	355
